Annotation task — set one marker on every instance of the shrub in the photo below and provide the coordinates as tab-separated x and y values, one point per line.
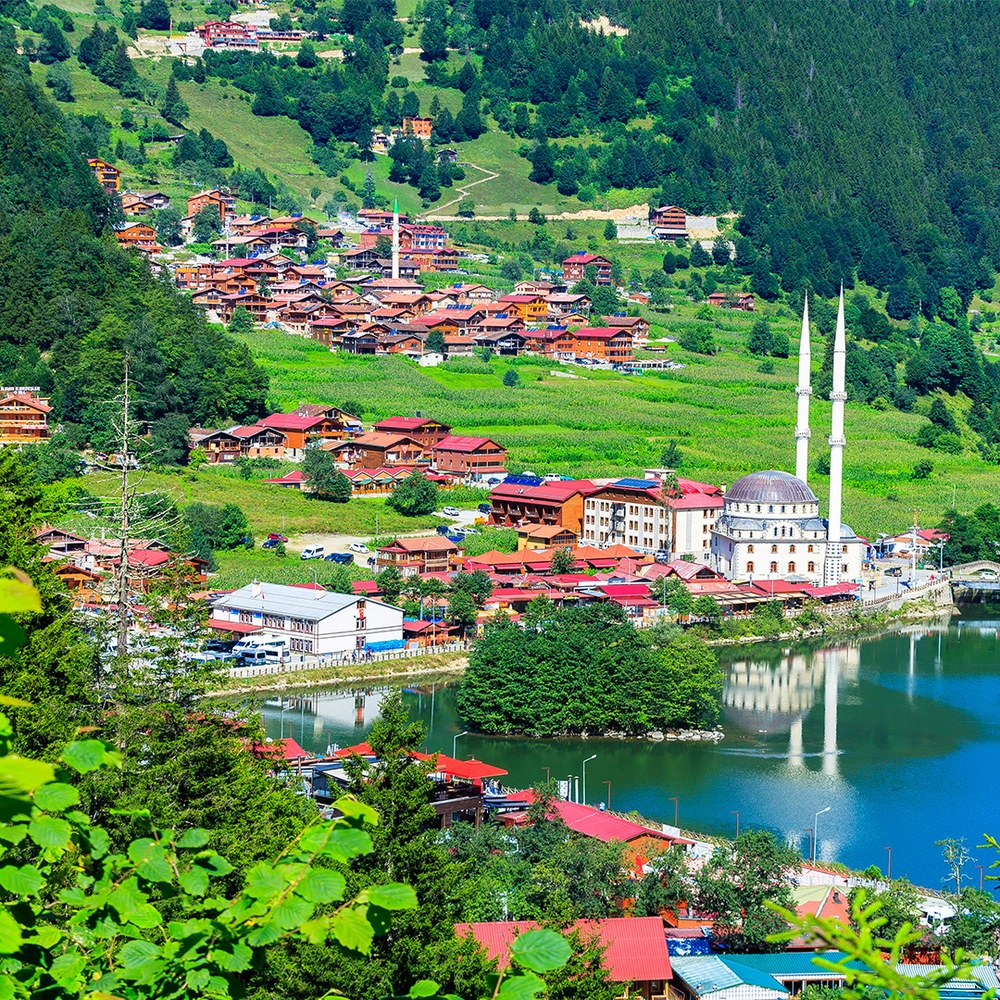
922	469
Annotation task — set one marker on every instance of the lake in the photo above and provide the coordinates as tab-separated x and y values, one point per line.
898	735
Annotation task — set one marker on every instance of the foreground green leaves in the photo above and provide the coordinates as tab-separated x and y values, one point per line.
78	921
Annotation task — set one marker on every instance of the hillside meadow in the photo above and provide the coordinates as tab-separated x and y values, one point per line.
728	419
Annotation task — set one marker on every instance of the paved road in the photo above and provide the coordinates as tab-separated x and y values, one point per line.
341	543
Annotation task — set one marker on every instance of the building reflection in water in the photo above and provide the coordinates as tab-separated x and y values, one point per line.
774	695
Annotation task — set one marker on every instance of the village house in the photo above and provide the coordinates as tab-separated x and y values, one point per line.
566	304
24	415
108	176
596	343
340	424
359	342
545	536
329	330
228	34
636	325
473	294
531	286
743	301
430	554
318	622
427	432
61	544
532	308
84	585
523	500
259	442
303	429
574	268
376	449
469	457
420	127
220	447
642	514
139	235
219	200
136	205
668	222
508	343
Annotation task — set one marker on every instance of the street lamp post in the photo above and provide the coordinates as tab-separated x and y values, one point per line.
591	757
980	867
736	813
454	742
816	832
888	873
608	783
677	808
809	830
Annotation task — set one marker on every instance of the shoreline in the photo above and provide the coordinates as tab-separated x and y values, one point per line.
456	663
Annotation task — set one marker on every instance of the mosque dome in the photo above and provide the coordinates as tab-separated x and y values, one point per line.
770	487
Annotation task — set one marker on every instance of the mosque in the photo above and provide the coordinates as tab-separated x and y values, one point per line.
770	527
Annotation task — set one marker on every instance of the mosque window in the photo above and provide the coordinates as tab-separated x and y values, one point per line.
770	508
812	567
749	567
791	548
749	548
782	508
791	567
774	567
782	532
774	548
758	508
844	549
843	568
810	548
775	532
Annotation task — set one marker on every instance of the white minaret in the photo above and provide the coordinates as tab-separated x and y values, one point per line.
395	238
837	442
804	391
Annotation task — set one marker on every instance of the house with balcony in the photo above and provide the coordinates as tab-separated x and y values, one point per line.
575	268
24	415
430	554
469	457
525	500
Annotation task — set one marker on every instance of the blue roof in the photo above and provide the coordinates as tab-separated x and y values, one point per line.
712	973
636	484
792	963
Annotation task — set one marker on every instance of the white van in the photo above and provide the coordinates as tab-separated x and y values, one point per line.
258	657
313	552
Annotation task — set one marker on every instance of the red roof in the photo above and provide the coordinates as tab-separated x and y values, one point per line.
295	476
456	443
309	586
369	587
148	557
556	491
289	421
832	591
768	587
625	590
241	627
471	770
403	423
593	822
586	258
634	948
600	333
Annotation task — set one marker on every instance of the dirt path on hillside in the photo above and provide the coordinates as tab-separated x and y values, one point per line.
463	190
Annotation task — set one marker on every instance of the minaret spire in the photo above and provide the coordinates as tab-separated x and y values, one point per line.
804	391
837	442
395	238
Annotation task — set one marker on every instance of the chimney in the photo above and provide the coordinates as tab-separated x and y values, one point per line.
255	589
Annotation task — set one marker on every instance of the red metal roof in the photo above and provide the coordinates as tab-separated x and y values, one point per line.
455	442
832	591
635	948
555	491
289	421
593	822
404	423
295	476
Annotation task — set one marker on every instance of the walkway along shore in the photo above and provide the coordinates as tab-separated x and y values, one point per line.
931	601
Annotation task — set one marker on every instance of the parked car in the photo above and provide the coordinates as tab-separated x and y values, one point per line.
313	552
443	529
894	571
359	547
485	508
276	537
341	558
450	512
466	531
271	543
219	645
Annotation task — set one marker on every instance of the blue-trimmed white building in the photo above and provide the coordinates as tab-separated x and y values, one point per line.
314	621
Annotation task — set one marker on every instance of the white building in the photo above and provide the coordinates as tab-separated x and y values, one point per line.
770	526
770	529
639	513
314	621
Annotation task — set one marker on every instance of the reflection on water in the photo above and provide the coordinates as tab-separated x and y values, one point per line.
899	735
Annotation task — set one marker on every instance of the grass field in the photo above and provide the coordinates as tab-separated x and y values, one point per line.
271	508
728	419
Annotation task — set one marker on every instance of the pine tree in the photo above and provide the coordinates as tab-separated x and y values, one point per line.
173	109
368	190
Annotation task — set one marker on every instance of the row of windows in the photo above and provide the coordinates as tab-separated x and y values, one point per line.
301	625
810	568
806	508
791	548
301	645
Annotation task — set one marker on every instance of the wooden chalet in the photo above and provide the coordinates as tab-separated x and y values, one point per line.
24	415
430	554
107	175
668	222
575	268
427	432
139	235
469	457
377	449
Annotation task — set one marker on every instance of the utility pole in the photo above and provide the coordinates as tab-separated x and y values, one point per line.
123	526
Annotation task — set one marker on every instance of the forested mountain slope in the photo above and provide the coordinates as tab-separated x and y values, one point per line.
72	303
852	134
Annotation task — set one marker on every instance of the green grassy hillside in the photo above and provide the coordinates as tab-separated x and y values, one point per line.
727	418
